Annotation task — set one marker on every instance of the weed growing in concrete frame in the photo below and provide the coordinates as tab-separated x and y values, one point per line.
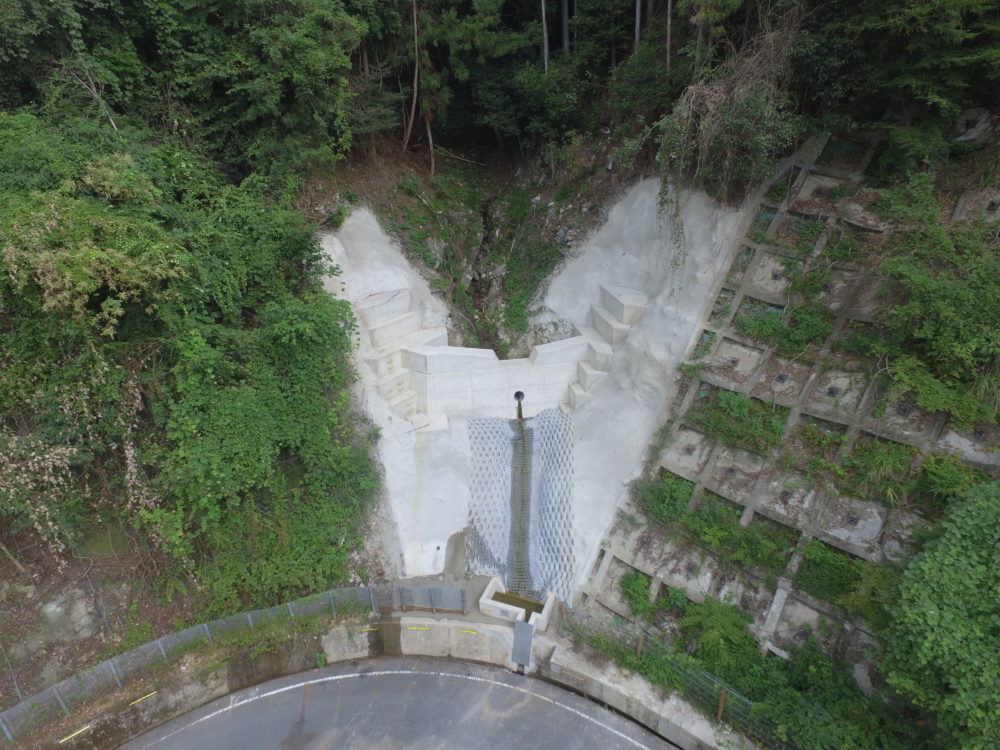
863	589
715	524
665	499
738	421
878	470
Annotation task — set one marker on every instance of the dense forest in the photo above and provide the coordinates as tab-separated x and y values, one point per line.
169	359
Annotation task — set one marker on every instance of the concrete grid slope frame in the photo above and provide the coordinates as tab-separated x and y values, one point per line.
550	530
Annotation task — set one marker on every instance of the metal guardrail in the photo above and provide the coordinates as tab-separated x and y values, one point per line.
702	689
112	673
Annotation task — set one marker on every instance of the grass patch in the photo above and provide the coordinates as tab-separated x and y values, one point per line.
738	421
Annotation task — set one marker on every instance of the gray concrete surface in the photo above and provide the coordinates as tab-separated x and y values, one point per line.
400	703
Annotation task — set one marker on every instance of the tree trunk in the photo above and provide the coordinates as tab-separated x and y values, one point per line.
670	33
416	80
13	559
545	41
428	116
564	14
364	58
638	22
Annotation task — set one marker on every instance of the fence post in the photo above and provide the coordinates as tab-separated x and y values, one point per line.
722	703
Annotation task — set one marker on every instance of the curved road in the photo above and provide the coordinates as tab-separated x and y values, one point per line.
395	703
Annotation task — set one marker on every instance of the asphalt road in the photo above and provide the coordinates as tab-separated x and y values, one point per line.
400	703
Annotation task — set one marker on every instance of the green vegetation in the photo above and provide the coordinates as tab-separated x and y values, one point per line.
942	645
789	332
170	359
738	421
169	362
664	499
861	588
635	590
716	525
877	469
941	338
811	700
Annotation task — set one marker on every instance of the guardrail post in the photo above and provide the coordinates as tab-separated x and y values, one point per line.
6	730
62	703
114	672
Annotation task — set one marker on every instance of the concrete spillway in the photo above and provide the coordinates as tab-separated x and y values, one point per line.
521	481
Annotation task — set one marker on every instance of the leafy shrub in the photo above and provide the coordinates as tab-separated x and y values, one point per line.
665	499
942	647
738	421
943	477
827	573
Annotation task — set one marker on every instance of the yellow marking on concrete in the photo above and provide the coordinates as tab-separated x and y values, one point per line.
366	630
412	627
472	632
78	731
148	695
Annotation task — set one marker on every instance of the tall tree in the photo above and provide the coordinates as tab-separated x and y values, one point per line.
545	41
564	18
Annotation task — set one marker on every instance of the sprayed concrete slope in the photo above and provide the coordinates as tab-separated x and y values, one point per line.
633	294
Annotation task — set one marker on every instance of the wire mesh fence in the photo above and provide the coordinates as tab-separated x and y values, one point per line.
700	688
114	672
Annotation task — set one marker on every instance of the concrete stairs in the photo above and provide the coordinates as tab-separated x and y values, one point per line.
399	340
611	319
393	327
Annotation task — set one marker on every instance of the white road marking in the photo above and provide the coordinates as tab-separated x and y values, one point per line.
389	672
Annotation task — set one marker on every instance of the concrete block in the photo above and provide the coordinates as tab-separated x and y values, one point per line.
434	336
577	395
599	351
857	522
589	376
382	306
627	305
393	329
345	641
420	636
572	349
438	359
394	383
611	330
559	374
470	641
